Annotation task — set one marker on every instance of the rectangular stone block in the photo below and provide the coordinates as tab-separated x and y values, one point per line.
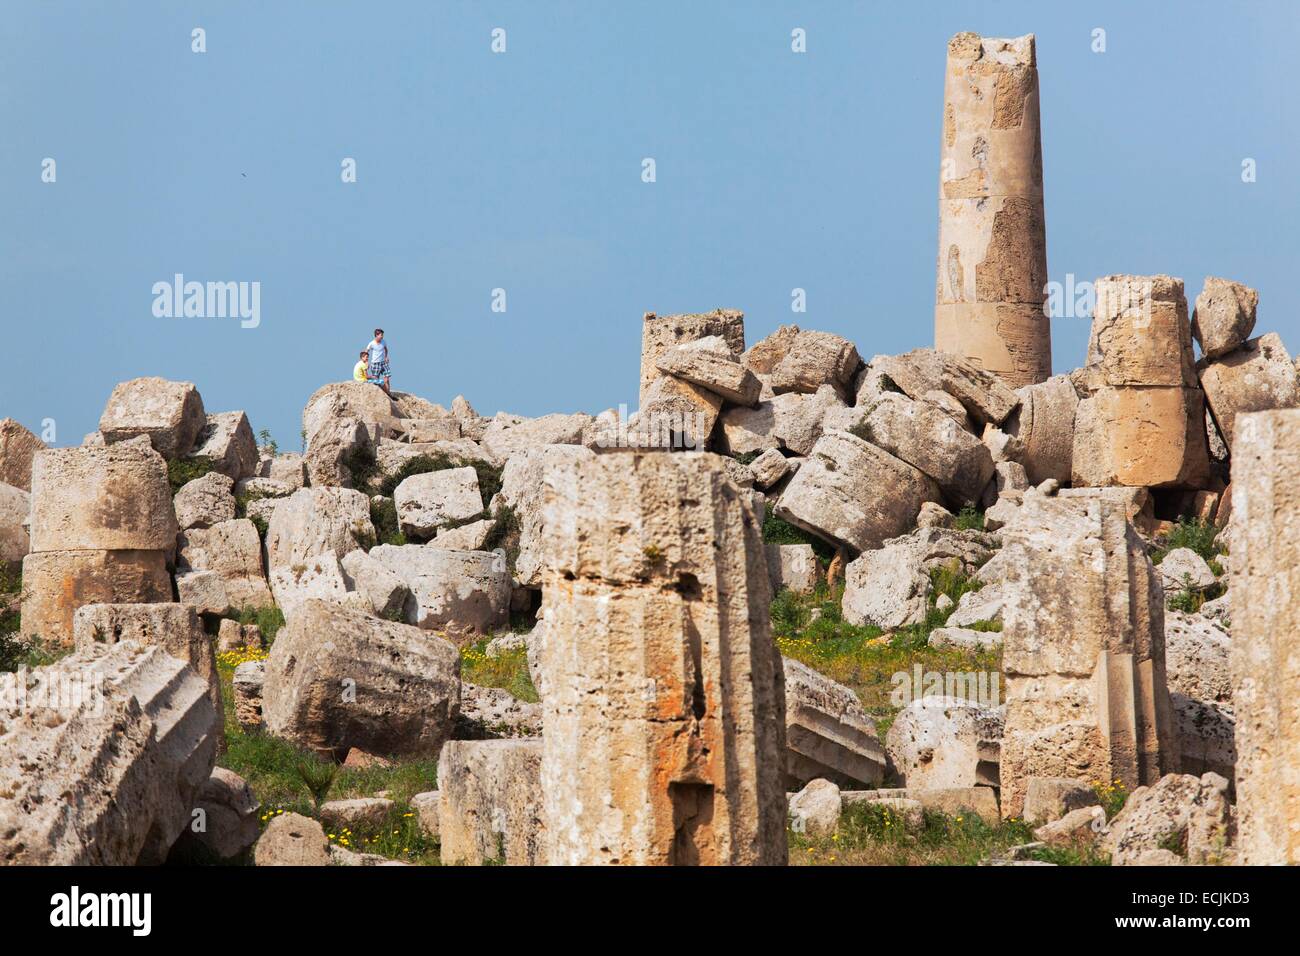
490	802
663	709
56	583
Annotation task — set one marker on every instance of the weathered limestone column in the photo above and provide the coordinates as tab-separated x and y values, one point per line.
1083	649
1263	587
103	530
992	269
1143	422
664	735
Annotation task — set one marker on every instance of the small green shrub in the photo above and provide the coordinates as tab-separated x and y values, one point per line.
383	515
317	776
181	471
745	457
1189	533
269	620
969	518
265	440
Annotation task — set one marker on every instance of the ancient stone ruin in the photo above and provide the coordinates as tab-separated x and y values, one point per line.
800	584
992	275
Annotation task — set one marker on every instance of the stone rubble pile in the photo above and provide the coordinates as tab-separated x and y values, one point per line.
670	728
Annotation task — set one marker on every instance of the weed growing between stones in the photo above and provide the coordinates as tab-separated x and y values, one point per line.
779	531
874	835
1192	533
969	518
181	471
508	670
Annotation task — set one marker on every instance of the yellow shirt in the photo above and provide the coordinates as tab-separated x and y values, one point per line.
359	371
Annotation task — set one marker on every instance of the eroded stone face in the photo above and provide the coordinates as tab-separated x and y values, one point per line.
659	333
1083	649
490	802
1256	377
108	498
851	493
338	678
662	709
18	447
1224	316
169	413
56	583
992	262
1263	577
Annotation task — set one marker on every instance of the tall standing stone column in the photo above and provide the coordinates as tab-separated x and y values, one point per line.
663	711
1083	649
1263	587
992	268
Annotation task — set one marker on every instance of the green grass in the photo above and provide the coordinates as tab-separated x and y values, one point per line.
969	519
874	835
1192	533
279	773
509	671
269	620
811	629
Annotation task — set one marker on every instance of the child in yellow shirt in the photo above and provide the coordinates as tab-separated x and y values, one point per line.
359	370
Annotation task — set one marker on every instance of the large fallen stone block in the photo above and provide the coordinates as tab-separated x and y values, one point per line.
1143	420
436	499
169	413
1191	813
339	678
814	359
1256	377
1224	316
928	439
854	494
1143	437
1140	333
661	333
113	498
15	505
793	421
490	713
709	363
56	583
522	492
984	396
18	447
283	467
663	710
792	566
385	591
233	550
1044	425
1263	577
890	586
205	501
339	400
828	734
293	840
938	743
763	356
102	756
461	593
508	436
176	628
227	441
675	414
490	802
226	827
1083	649
313	579
316	521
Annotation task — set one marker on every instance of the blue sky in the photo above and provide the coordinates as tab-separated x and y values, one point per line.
522	171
